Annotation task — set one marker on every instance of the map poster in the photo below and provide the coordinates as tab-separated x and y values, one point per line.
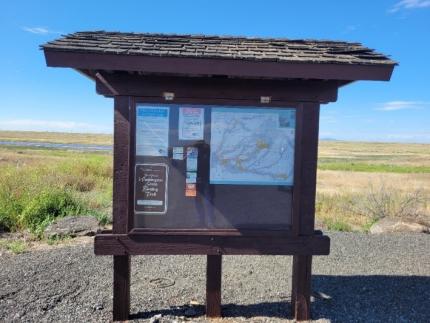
151	188
251	146
191	123
152	131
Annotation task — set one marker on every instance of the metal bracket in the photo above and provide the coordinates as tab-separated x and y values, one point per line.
265	99
168	96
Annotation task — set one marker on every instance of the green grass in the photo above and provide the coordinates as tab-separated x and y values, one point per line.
16	246
337	225
366	227
48	205
36	188
372	168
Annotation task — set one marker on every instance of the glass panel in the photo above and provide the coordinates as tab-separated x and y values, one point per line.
202	166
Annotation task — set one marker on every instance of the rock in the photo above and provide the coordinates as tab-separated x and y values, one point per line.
155	318
388	225
98	307
73	226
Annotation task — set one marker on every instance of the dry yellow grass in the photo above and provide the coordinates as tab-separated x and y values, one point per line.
57	137
376	153
350	173
336	189
27	157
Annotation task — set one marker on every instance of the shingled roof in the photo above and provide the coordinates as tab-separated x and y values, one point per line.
219	47
199	55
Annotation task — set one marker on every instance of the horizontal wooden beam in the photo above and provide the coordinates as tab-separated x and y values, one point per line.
218	88
228	67
123	244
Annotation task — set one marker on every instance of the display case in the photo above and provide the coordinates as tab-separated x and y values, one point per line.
212	166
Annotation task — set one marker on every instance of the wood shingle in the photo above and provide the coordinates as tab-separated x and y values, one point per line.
219	47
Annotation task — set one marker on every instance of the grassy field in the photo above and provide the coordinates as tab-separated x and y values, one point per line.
57	137
38	185
358	183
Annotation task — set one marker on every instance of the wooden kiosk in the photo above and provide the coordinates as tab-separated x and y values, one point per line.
215	145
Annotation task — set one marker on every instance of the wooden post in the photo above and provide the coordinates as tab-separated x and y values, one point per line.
304	206
121	288
213	285
301	288
121	264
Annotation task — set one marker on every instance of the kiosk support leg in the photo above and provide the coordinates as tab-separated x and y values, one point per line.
301	288
121	288
213	285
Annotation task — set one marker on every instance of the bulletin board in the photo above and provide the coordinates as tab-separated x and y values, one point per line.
212	166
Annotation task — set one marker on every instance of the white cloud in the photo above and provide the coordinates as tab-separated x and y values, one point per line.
410	4
52	125
402	105
39	30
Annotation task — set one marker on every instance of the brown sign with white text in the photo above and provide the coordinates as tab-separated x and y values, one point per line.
151	189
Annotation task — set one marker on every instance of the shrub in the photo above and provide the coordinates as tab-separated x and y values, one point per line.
383	202
35	192
329	210
80	183
13	194
48	205
349	211
8	217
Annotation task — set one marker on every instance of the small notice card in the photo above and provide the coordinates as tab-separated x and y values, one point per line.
151	188
191	123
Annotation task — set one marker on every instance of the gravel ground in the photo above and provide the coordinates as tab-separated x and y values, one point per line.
366	278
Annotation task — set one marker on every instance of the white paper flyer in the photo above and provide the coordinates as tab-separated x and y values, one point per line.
191	123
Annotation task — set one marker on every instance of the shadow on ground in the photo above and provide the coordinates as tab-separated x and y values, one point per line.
351	298
372	298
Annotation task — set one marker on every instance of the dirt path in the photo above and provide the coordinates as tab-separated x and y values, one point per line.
367	278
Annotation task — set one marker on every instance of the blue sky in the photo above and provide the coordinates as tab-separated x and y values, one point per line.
34	97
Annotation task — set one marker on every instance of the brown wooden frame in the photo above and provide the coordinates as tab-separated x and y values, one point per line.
305	168
301	241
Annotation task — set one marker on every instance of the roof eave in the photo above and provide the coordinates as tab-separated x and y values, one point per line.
212	66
